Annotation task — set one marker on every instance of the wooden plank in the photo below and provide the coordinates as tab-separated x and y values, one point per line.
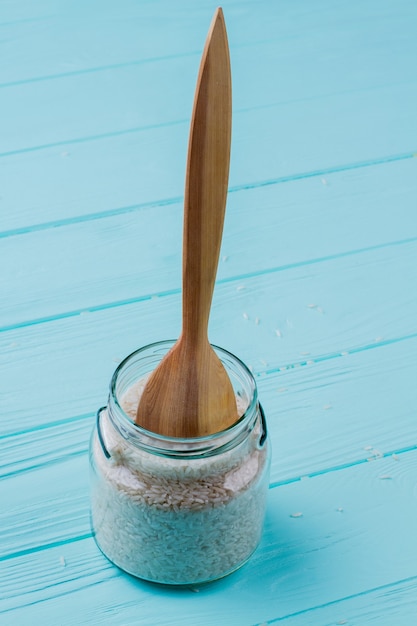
139	163
84	347
321	416
45	445
386	605
89	105
127	95
54	40
69	41
54	509
15	14
148	162
139	253
323	308
390	604
306	566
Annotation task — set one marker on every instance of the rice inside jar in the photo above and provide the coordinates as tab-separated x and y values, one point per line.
170	510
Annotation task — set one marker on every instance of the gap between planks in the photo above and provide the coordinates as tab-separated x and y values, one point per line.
221	281
397	454
324	538
385	589
59	223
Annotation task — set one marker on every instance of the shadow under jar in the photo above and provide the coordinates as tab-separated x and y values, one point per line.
171	510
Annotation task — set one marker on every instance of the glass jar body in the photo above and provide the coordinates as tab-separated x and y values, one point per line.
177	511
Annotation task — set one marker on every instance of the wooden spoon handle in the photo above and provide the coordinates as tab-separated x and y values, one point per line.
206	180
190	394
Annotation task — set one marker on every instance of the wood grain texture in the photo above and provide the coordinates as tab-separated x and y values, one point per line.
352	403
315	292
49	195
317	47
190	393
45	282
320	561
87	346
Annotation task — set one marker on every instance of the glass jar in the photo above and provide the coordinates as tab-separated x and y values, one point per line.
171	510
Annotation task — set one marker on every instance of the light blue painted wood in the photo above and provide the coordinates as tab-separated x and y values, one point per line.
351	398
316	292
305	564
151	160
69	38
86	347
137	260
377	82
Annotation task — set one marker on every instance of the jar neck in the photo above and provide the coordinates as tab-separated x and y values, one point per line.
131	370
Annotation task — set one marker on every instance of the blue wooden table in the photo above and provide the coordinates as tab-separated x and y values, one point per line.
316	292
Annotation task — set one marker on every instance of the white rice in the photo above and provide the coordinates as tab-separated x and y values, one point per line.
177	521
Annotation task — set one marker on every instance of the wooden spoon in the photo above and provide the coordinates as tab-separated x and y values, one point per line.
190	393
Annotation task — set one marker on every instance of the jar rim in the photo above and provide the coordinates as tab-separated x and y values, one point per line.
162	444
